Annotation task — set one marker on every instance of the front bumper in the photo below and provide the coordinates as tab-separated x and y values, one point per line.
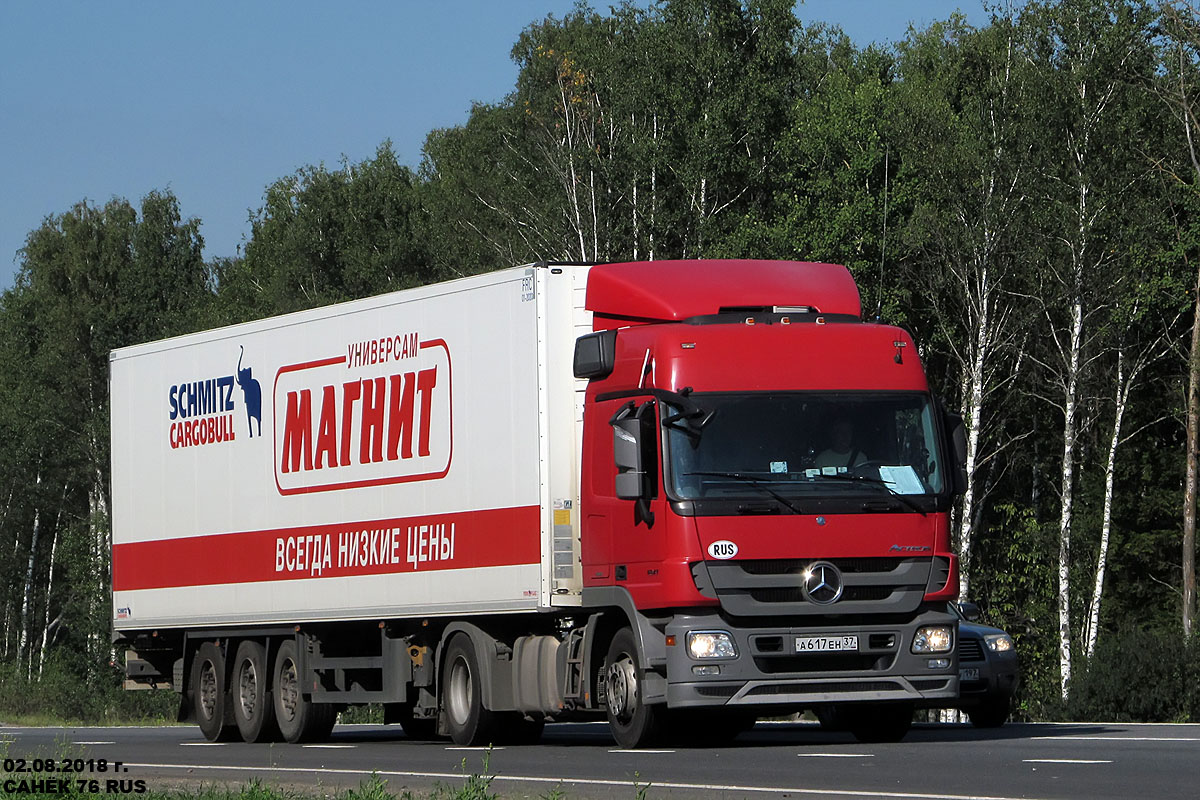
993	677
769	673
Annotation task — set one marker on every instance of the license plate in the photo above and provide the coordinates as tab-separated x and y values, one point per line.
826	644
968	674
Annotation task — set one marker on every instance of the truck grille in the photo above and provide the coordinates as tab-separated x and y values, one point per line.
772	587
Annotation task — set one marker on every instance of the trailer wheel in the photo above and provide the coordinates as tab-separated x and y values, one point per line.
633	722
208	693
469	723
299	720
253	709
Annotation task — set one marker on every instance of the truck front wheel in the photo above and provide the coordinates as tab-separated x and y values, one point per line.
299	720
252	707
633	722
469	723
208	693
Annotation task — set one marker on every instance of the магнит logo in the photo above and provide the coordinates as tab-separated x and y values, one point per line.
381	414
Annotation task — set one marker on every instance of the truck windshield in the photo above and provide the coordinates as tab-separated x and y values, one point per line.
804	445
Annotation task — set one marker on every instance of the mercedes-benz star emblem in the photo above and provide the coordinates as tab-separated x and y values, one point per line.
822	583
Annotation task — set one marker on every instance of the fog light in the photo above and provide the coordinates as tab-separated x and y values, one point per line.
939	663
933	639
706	669
711	644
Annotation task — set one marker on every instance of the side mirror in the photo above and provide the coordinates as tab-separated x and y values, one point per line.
636	456
595	354
970	611
956	435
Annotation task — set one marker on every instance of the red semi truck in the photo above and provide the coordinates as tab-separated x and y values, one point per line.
680	494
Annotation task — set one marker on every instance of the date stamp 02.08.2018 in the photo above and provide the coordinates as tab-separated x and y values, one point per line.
67	776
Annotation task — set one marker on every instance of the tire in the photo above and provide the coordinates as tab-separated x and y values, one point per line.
633	723
421	729
514	729
253	707
468	721
832	718
208	694
299	720
991	713
712	728
886	722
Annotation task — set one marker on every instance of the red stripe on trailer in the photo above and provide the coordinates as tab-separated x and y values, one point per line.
490	538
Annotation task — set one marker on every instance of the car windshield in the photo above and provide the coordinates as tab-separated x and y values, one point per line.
804	444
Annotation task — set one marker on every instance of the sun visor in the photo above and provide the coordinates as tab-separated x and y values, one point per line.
667	291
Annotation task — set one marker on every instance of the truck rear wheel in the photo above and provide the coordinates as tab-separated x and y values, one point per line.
469	723
299	720
253	709
633	722
208	693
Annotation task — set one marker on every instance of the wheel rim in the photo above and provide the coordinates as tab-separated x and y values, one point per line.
289	690
460	695
208	690
621	690
248	689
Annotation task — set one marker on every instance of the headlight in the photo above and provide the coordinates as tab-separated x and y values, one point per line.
711	644
933	639
999	642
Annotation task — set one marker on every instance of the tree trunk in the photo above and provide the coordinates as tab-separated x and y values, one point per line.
27	597
1092	628
1070	431
1189	489
50	589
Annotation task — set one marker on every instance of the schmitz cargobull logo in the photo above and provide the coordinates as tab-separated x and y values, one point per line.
379	414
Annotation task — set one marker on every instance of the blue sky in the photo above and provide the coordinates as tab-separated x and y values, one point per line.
215	100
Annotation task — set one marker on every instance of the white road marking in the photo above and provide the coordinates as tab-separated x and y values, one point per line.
331	746
695	787
202	744
93	742
619	750
1065	761
493	749
835	755
1085	738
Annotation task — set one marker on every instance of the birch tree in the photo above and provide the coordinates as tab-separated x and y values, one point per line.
1086	52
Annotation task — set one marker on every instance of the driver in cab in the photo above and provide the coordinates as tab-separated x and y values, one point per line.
841	453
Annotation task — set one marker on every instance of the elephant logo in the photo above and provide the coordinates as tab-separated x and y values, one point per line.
251	394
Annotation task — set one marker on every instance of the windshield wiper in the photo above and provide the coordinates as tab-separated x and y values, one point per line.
757	483
868	480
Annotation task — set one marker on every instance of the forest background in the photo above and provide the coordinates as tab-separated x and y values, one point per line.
1024	196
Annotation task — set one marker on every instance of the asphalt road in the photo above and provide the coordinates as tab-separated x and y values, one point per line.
935	762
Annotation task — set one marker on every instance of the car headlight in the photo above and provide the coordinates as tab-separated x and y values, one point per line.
933	639
999	642
711	644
